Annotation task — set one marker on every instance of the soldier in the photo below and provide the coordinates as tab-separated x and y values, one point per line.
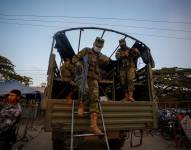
10	113
67	74
95	59
126	57
67	70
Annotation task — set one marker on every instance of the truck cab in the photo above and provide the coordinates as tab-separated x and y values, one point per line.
121	118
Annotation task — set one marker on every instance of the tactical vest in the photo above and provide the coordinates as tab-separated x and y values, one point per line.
66	72
125	62
93	62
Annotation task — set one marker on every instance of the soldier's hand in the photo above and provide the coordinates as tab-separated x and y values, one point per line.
72	83
79	67
126	53
135	52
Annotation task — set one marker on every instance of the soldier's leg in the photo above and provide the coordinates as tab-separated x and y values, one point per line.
123	82
69	91
81	108
130	80
93	95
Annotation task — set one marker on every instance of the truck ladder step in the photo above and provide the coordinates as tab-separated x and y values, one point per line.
87	134
86	112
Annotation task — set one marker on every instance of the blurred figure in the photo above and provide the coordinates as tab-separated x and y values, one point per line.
88	62
67	74
10	113
127	67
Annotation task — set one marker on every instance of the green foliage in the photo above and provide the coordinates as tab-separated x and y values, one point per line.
7	72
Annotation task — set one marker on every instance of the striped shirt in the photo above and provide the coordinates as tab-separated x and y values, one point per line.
9	114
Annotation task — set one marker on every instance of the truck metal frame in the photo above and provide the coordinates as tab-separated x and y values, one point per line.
120	117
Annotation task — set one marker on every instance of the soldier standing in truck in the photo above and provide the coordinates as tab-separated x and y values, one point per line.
67	74
127	67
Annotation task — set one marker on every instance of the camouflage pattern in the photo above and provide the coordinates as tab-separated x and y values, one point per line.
126	57
67	70
95	60
93	95
9	115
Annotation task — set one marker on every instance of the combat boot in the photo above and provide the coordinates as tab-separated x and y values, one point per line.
93	127
69	99
81	109
131	96
126	98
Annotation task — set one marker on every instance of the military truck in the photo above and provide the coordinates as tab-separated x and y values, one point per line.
122	120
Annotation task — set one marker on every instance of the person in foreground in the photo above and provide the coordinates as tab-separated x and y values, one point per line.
10	112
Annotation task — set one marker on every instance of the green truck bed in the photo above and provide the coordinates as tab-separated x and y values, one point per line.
118	115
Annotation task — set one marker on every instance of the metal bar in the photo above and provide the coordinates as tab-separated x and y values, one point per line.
150	82
79	40
103	34
72	127
84	135
103	124
114	51
103	91
96	28
52	47
60	93
113	89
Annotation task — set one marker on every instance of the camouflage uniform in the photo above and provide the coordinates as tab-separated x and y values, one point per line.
126	57
67	70
67	74
95	60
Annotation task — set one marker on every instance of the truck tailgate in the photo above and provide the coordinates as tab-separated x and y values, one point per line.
118	115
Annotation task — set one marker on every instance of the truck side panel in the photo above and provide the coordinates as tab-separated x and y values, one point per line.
118	115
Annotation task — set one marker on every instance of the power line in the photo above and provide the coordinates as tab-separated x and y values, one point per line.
159	36
28	24
101	18
92	23
31	70
162	36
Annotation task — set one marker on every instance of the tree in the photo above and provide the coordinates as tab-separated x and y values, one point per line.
6	68
173	83
7	72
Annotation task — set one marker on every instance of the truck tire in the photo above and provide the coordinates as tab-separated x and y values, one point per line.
58	144
116	143
61	141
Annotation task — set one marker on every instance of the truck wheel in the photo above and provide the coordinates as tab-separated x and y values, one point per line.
116	143
58	144
61	141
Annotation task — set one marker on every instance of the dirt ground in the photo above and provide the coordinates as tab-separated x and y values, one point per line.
36	138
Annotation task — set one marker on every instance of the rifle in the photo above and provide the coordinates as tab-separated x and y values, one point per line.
82	79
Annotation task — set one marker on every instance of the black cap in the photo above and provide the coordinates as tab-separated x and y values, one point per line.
122	42
15	91
99	42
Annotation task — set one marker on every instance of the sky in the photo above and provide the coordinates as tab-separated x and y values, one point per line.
27	28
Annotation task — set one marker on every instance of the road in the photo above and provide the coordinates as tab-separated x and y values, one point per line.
40	140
